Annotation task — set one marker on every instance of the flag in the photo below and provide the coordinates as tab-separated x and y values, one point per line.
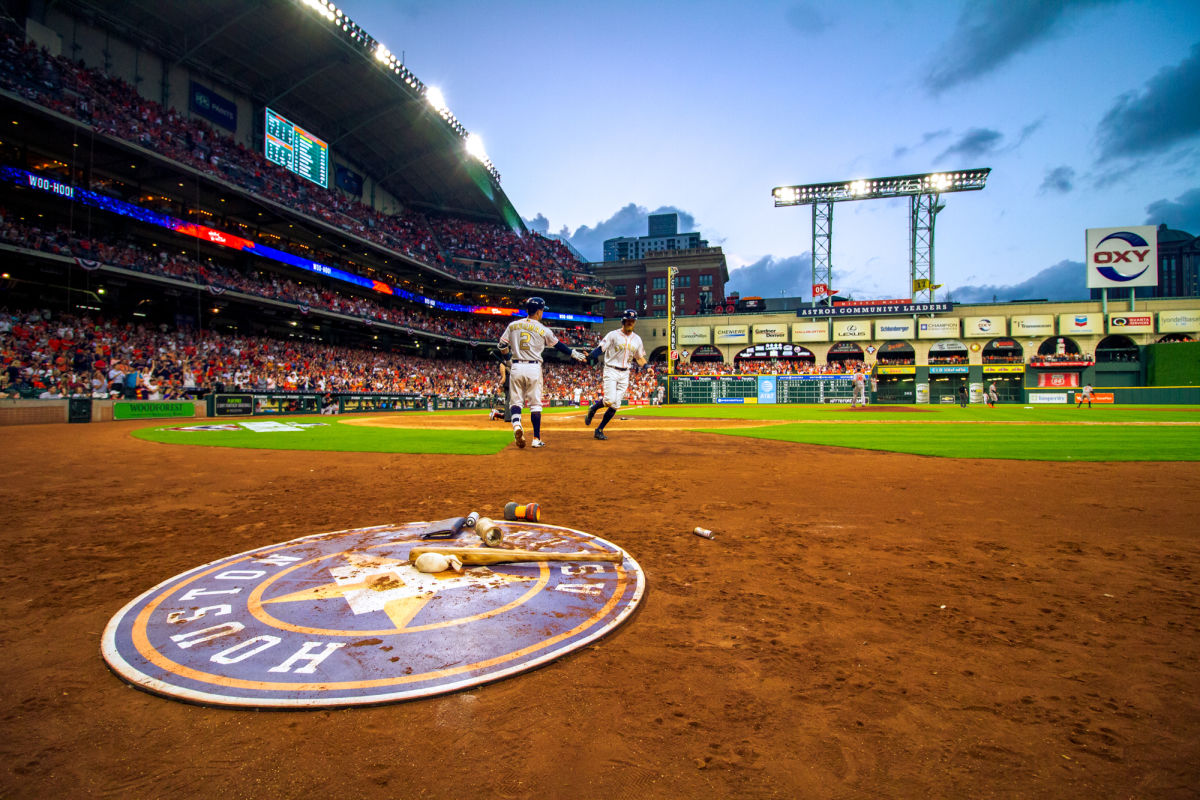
820	289
303	308
922	285
216	290
88	264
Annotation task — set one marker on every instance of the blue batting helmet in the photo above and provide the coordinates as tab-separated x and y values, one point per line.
629	314
534	304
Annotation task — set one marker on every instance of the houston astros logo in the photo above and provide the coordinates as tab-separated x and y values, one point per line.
345	618
1140	248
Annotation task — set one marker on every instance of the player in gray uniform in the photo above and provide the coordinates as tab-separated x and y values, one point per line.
860	388
524	340
621	350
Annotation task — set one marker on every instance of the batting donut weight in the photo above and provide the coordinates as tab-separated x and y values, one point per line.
489	532
530	512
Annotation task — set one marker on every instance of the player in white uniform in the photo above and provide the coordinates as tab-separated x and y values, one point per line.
621	350
525	339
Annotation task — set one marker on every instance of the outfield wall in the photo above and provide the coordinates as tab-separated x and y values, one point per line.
939	388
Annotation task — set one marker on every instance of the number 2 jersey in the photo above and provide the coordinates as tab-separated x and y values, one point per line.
526	339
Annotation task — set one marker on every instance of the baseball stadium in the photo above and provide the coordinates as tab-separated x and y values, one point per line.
275	341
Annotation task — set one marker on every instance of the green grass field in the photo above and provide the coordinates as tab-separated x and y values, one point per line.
1036	433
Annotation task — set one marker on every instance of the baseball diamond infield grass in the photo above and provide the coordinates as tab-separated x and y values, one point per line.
1036	433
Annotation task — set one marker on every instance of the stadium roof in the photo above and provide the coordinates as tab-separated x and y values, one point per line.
327	78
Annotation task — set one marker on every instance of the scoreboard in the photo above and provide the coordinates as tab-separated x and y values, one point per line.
295	149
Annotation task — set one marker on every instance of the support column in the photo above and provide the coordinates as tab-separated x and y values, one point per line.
922	211
822	246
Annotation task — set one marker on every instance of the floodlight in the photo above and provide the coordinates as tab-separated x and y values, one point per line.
474	146
436	99
922	191
381	53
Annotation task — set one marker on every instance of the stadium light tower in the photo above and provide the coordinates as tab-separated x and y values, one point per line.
923	192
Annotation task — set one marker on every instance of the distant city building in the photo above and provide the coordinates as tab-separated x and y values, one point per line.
1178	268
641	283
664	234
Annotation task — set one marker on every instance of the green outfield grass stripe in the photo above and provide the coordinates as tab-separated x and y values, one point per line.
977	413
1019	442
335	437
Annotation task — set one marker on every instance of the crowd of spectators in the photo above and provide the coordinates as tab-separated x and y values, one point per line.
1058	358
112	106
50	356
61	241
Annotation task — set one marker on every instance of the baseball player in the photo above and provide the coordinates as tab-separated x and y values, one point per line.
620	350
502	412
524	340
992	394
860	388
1084	396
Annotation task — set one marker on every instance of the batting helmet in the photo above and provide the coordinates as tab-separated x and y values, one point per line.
629	314
534	304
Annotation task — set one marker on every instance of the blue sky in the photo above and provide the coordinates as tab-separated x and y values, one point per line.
596	114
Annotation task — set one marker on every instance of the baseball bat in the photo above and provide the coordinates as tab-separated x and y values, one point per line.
480	555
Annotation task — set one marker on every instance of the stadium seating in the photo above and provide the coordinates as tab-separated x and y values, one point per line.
470	251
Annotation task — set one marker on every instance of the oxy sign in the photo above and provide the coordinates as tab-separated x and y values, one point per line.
1122	257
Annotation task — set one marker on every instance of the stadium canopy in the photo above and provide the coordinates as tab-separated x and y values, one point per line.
326	74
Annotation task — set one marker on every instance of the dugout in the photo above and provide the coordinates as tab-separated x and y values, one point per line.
1009	380
895	384
945	381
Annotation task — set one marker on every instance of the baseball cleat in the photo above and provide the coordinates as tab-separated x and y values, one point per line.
591	413
538	443
599	435
519	435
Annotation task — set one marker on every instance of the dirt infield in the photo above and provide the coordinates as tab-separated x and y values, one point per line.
864	625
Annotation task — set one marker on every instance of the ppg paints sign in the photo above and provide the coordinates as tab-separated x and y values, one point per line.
1122	257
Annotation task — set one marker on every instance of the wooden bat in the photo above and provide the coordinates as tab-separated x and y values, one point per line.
492	555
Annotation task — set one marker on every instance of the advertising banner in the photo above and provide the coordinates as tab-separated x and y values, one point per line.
983	327
1121	257
1048	397
895	370
1008	369
1098	397
937	328
895	329
1033	325
233	405
213	107
810	331
766	388
1057	379
1178	321
694	335
957	369
1131	322
1080	323
154	409
875	309
731	334
769	333
851	329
